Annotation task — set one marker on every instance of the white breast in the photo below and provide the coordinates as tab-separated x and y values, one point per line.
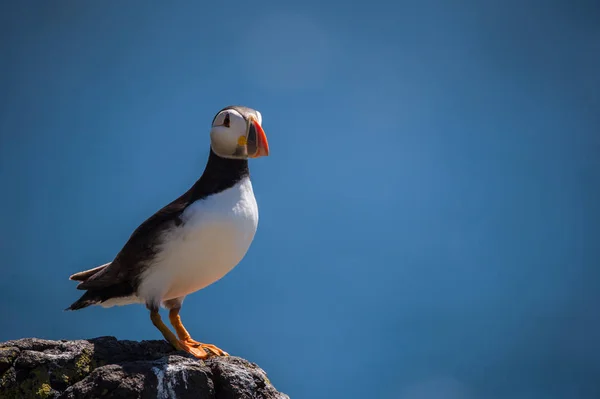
214	237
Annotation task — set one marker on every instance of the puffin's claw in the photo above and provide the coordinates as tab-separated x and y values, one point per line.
195	351
208	349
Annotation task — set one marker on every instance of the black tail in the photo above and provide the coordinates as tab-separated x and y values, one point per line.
96	296
87	299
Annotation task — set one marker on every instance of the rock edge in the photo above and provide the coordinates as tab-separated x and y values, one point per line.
105	367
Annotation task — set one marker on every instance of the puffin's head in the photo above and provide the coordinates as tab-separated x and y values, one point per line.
236	133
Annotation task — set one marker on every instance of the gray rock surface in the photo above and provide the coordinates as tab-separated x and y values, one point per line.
107	368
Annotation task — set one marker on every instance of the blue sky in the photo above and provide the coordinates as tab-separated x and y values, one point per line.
429	219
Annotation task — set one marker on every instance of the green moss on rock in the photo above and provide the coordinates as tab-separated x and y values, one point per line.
35	386
44	391
84	365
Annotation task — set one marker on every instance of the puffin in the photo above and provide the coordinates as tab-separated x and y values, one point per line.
193	241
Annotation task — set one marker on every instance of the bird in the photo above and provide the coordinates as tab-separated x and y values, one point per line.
191	242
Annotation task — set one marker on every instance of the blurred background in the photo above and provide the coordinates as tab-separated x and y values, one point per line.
429	215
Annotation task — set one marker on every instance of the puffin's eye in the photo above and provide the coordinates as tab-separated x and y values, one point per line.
226	122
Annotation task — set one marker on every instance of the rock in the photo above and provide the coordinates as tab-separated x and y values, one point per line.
107	368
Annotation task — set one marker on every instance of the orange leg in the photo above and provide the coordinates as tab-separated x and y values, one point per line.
172	339
186	341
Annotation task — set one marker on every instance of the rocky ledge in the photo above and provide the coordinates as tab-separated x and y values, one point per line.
107	368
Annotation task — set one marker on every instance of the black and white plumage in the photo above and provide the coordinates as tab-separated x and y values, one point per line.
196	239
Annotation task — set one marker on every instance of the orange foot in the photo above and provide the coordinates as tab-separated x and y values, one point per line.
200	350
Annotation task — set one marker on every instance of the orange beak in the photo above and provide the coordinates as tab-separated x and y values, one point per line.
258	138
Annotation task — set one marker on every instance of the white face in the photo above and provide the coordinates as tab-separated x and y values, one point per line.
229	134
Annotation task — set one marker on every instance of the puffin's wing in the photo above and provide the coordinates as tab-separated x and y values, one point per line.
134	255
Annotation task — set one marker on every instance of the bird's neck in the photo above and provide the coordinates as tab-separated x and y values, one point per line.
219	174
